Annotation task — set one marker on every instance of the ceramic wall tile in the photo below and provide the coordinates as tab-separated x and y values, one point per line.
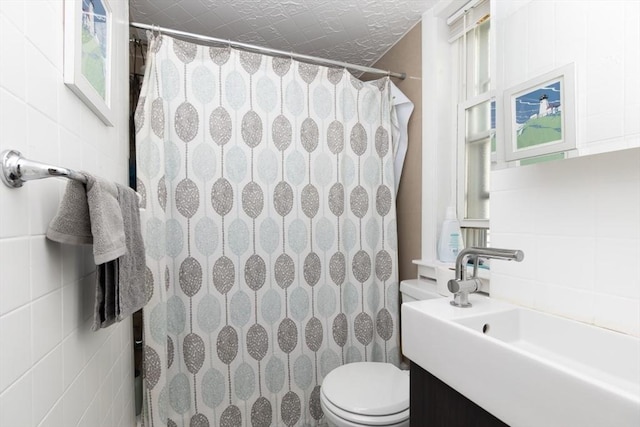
49	358
580	216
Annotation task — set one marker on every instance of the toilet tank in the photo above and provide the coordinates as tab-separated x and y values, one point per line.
418	289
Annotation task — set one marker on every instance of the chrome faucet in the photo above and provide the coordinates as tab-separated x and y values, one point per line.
461	287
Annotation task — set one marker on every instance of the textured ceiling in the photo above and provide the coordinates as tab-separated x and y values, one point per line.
354	31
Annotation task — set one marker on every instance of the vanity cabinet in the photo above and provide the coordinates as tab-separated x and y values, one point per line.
435	404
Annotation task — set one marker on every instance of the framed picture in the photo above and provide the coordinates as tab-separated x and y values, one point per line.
540	115
88	32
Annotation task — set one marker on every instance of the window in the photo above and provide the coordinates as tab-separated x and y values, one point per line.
469	31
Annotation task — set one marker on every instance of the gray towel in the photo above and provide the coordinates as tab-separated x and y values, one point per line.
132	266
104	313
120	283
72	225
107	225
106	215
91	215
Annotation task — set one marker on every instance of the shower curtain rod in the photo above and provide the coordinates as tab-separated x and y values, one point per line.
268	51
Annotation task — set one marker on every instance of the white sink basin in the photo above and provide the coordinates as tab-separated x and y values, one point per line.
525	367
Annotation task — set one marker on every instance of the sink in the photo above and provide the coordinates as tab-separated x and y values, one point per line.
526	367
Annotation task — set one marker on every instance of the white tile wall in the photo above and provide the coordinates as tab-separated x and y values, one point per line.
602	39
53	370
15	404
578	221
580	232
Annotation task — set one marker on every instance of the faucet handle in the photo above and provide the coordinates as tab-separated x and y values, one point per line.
461	290
468	286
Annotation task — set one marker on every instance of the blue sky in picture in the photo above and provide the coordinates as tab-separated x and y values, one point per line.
529	103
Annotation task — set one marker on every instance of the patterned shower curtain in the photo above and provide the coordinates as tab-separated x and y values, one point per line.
270	231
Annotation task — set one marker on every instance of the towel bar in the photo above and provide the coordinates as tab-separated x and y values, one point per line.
16	170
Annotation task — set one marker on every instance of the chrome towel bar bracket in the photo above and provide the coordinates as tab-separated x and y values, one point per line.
16	170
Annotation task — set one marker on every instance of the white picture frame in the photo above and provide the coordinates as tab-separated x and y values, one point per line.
88	54
539	115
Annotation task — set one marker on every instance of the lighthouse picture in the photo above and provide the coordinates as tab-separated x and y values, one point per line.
539	116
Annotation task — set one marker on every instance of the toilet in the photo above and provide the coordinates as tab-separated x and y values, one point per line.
364	394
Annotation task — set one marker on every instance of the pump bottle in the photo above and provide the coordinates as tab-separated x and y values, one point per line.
450	242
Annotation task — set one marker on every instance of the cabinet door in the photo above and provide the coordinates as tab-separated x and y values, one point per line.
435	404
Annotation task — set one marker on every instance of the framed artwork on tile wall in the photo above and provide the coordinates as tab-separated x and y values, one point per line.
88	62
540	115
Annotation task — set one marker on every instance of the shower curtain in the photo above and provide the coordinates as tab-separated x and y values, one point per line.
270	231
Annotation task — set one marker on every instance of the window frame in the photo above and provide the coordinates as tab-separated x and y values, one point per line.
461	158
460	89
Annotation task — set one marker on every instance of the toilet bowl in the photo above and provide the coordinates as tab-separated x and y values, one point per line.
366	394
372	393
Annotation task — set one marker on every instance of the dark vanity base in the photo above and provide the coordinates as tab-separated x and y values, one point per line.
435	404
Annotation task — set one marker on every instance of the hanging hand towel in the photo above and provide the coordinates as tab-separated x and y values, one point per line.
91	215
72	224
106	215
104	310
131	295
120	283
107	226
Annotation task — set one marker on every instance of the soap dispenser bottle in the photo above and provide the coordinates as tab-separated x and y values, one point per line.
450	242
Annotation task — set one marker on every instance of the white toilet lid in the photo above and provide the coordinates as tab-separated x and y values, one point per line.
368	388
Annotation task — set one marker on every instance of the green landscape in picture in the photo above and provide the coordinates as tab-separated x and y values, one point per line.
542	159
540	130
93	62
